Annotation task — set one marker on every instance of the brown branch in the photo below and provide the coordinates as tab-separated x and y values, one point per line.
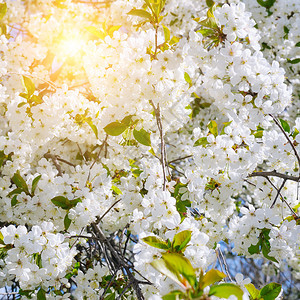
281	197
99	220
118	261
54	160
278	192
180	158
288	139
162	142
275	174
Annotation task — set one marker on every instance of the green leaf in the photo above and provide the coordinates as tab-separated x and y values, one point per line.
213	128
41	294
210	3
181	239
67	222
265	249
293	61
254	249
211	277
174	295
115	128
285	125
3	10
35	183
127	120
270	291
111	296
266	3
225	124
163	267
28	85
142	136
225	290
297	44
167	33
14	201
94	128
295	133
156	242
254	293
96	32
182	265
16	191
140	13
116	190
20	182
174	40
201	142
26	293
188	79
62	202
34	100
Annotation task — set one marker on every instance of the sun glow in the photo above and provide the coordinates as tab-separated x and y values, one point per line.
70	46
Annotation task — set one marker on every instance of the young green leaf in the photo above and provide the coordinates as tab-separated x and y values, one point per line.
213	128
182	265
3	10
161	266
20	182
211	277
116	190
140	13
266	3
28	85
142	136
225	290
201	142
127	120
174	295
270	291
188	79
285	125
254	249
115	128
94	128
96	32
67	222
156	242
167	33
254	293
16	191
181	239
35	182
14	201
41	294
62	202
293	61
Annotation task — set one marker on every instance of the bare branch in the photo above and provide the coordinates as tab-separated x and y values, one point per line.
288	139
275	174
162	142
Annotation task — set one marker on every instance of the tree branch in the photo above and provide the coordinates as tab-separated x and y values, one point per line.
162	142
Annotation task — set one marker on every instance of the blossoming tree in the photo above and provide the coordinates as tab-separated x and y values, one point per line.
140	140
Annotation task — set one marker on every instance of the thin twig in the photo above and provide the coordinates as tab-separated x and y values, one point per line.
282	198
278	192
162	142
225	264
275	174
180	158
288	139
99	220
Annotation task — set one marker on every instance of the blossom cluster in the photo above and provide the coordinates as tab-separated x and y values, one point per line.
153	122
